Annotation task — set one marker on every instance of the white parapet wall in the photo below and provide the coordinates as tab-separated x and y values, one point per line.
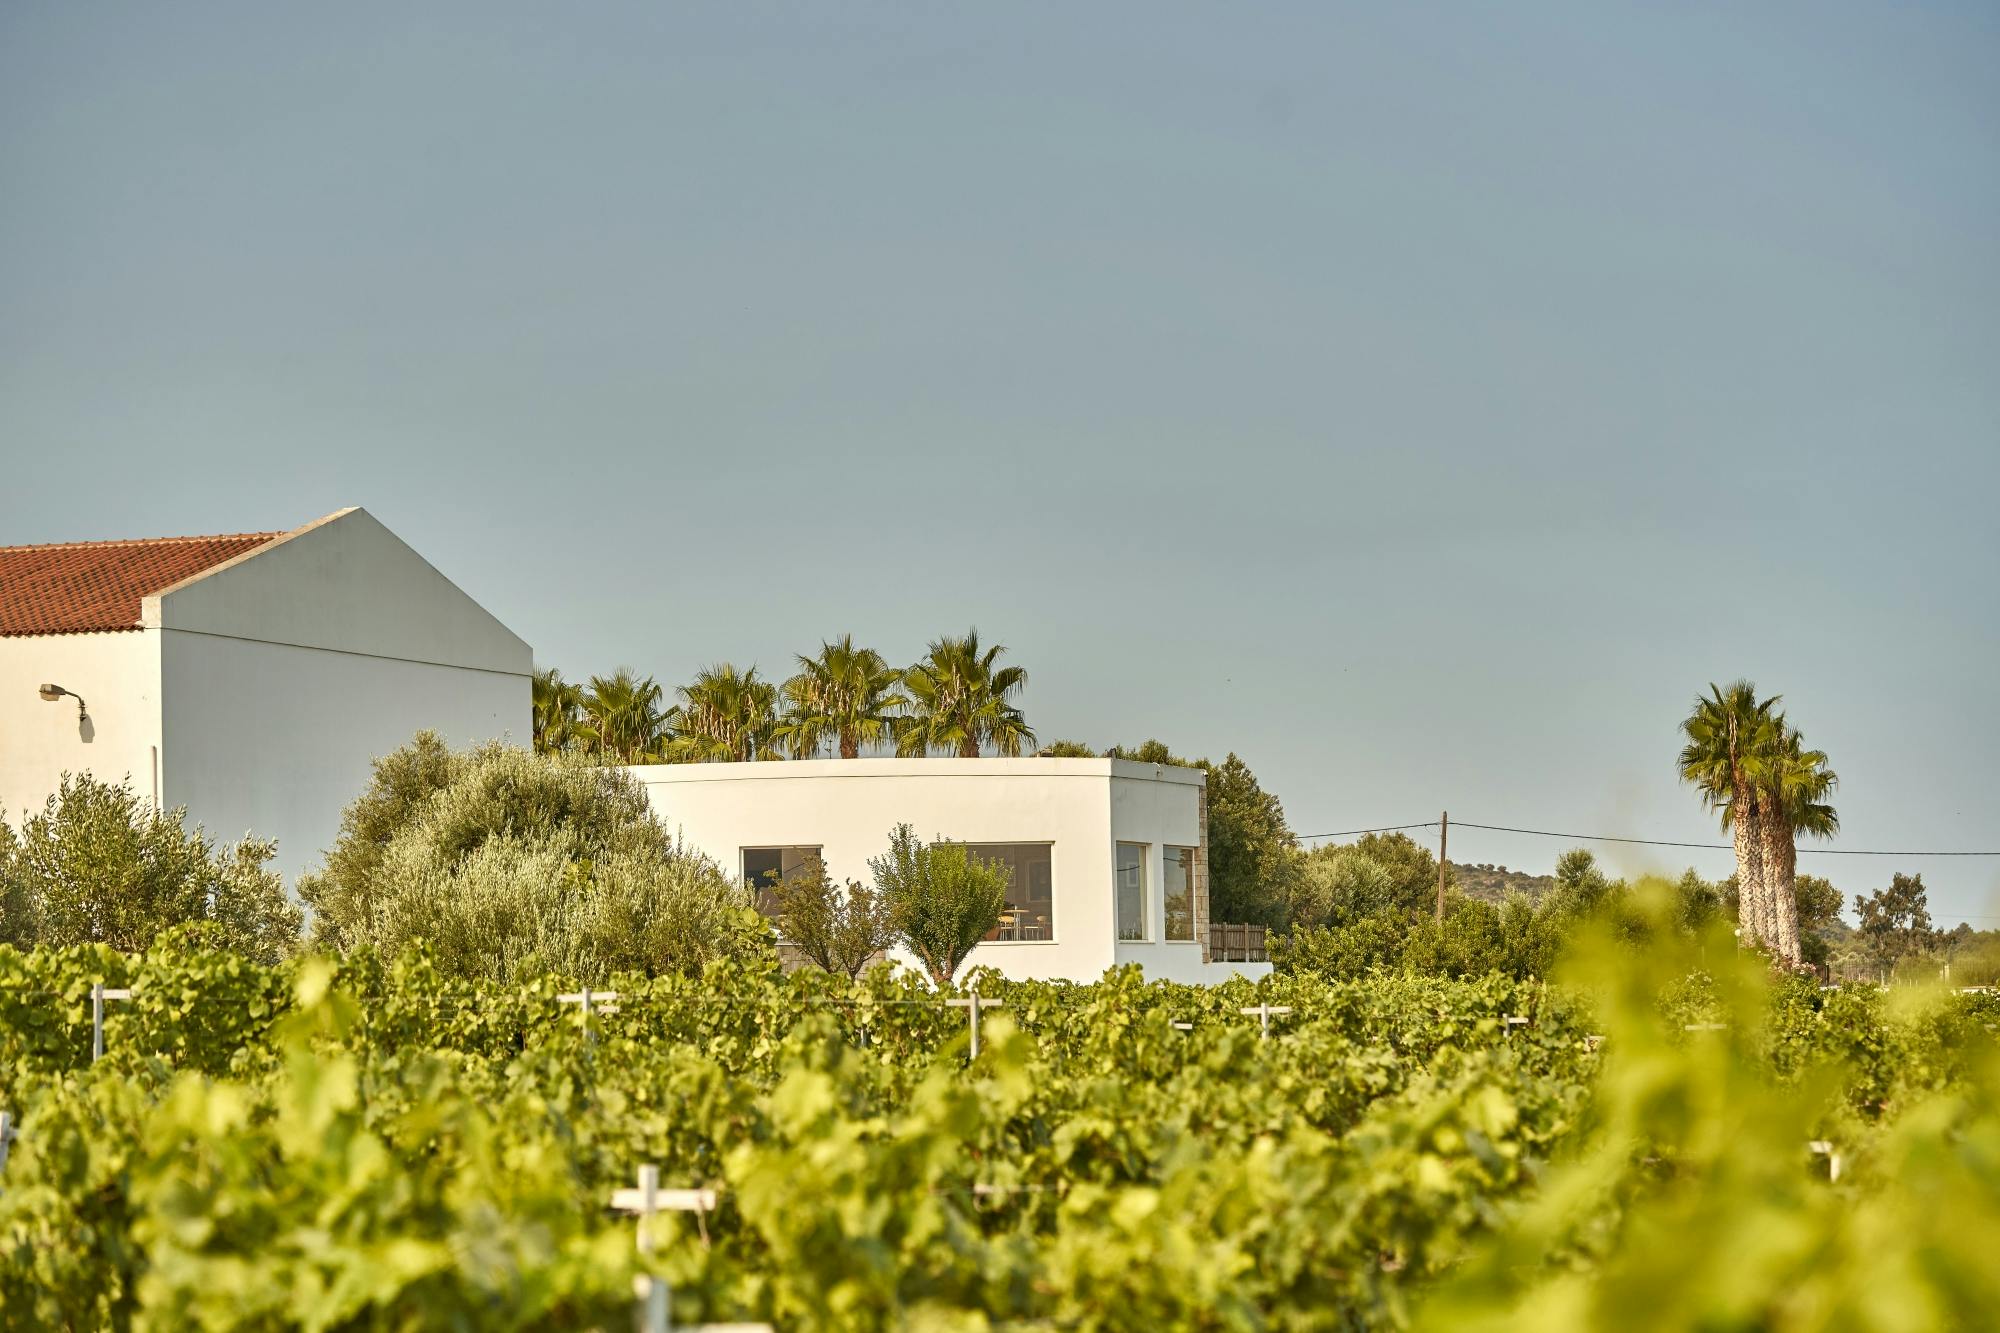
1059	823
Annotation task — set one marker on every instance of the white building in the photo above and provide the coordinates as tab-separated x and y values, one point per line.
1109	858
251	678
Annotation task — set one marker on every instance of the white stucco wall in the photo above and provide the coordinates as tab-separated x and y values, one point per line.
289	671
286	673
1082	807
275	740
117	674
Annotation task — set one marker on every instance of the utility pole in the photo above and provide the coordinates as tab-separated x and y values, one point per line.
1444	831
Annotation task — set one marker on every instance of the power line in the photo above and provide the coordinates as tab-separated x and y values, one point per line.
1393	828
1643	842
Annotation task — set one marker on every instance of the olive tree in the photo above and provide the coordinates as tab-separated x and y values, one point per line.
100	865
508	862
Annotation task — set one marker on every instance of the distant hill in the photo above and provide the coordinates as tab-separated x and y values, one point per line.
1494	883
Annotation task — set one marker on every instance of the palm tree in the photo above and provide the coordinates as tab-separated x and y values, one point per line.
846	695
959	701
725	715
1793	784
1726	732
558	712
623	714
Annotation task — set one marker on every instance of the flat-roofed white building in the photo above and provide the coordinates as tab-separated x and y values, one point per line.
1108	857
251	677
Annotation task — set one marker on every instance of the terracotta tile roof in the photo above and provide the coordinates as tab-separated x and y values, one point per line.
80	587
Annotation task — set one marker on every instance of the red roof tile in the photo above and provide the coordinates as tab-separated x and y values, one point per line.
80	587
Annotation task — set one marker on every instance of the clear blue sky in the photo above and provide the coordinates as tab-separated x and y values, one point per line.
1423	402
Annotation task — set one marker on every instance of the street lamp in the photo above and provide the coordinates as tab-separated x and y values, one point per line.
51	693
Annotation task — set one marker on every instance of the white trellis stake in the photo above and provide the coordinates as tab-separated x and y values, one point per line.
605	1001
99	993
6	1136
1516	1020
1264	1012
1824	1148
655	1295
1705	1027
1185	1027
973	1004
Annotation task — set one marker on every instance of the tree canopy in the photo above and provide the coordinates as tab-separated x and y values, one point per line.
99	865
506	862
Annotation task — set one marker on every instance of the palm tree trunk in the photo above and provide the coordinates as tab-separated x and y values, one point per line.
1781	888
850	747
1749	867
968	748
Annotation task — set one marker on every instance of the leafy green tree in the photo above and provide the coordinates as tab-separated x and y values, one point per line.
1411	868
839	928
507	862
1066	750
1896	921
98	865
558	712
1153	752
960	700
725	716
845	696
1339	885
941	900
1819	904
1252	855
623	716
17	923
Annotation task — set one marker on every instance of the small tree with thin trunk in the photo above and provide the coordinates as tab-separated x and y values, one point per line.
942	900
840	928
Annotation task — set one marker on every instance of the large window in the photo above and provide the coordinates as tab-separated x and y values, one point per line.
1179	869
1131	890
1030	913
765	867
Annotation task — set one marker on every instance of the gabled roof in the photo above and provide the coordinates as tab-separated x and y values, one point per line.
87	587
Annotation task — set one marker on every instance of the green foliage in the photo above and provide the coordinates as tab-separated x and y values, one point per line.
843	697
622	721
725	715
1516	937
940	899
510	863
1066	750
960	700
1251	853
360	1144
1339	883
558	713
1896	921
399	788
839	928
99	865
1696	1202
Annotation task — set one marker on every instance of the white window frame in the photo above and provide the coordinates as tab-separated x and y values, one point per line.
1168	854
1145	892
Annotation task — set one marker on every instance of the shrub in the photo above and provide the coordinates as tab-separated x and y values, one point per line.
941	899
839	928
99	865
509	862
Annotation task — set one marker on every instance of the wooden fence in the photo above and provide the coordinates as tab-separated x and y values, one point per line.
1236	944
